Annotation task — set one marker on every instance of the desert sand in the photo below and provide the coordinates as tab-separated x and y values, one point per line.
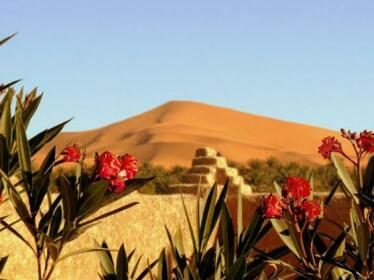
169	135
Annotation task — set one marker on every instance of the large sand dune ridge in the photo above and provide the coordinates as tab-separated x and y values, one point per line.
170	133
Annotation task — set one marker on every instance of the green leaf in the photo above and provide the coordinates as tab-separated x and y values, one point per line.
369	177
237	270
345	177
18	203
23	147
6	121
178	241
283	232
38	141
110	213
131	186
163	270
29	112
83	251
240	213
146	270
4	155
205	226
250	236
6	39
361	234
277	188
122	264
55	223
69	198
195	249
3	261
40	184
105	260
93	197
228	237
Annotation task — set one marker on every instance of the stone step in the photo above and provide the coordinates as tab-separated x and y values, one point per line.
206	152
202	169
231	171
237	180
198	179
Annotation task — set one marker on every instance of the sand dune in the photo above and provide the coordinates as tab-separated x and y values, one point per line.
170	133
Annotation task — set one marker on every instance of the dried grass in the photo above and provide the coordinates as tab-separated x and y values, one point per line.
140	227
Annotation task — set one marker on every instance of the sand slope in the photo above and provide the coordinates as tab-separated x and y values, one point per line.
170	133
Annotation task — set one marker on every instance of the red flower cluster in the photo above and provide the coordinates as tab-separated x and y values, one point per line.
362	143
366	141
329	144
273	207
297	188
116	169
294	200
72	153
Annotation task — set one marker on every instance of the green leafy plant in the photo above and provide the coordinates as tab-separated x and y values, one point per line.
119	270
359	250
217	251
52	221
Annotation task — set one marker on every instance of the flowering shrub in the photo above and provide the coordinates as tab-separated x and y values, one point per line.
116	169
68	213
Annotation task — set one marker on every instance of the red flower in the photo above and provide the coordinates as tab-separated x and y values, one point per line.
329	144
297	188
116	169
366	141
116	185
72	153
311	210
108	166
129	166
272	207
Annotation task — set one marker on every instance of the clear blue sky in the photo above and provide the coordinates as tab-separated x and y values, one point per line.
103	61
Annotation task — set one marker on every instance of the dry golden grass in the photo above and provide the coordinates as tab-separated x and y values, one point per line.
141	227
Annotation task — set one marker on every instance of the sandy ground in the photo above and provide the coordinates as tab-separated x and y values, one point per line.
170	134
140	227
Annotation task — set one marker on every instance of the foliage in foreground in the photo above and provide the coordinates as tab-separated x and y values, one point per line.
52	221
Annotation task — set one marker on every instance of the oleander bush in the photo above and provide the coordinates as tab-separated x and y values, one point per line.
53	219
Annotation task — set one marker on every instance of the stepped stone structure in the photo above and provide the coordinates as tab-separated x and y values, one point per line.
209	167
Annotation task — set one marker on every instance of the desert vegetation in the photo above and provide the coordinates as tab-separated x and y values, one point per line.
47	218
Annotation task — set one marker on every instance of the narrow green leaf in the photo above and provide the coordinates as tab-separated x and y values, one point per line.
23	147
281	228
6	121
83	251
40	184
237	270
122	264
93	198
6	39
163	271
205	226
3	261
30	110
55	223
228	237
110	213
38	141
345	177
369	177
361	234
69	198
8	85
131	186
106	262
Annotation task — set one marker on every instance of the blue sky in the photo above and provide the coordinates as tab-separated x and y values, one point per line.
103	61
